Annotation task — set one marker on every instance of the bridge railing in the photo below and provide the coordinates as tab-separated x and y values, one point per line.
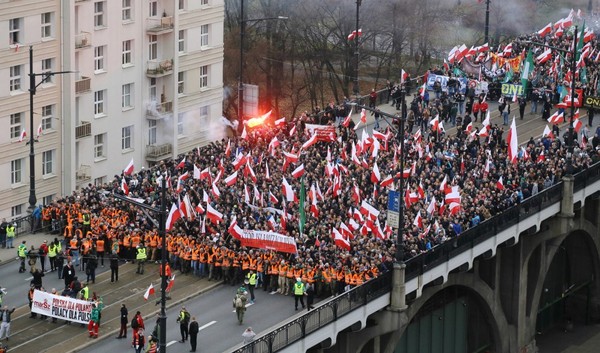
322	315
343	304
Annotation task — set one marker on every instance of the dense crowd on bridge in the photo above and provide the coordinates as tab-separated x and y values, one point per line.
452	182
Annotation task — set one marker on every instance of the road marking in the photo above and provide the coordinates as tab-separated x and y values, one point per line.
247	305
206	325
170	343
29	279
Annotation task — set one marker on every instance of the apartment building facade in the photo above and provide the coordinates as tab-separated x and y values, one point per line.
147	86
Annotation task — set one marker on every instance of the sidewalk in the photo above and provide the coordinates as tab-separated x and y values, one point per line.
10	255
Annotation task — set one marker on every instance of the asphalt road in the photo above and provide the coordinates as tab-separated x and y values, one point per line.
219	329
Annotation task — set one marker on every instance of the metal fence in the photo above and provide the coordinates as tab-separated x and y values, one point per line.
343	304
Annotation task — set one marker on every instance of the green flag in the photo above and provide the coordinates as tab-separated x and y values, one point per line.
458	72
583	75
509	75
526	70
580	42
302	218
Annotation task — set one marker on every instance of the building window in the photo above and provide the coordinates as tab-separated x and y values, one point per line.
99	58
99	151
180	124
99	103
100	181
16	173
153	89
47	24
15	125
153	8
14	30
126	56
152	128
126	10
99	8
126	137
16	211
126	92
48	162
47	117
203	2
47	200
15	78
47	65
181	41
152	47
181	5
203	76
204	112
180	82
204	35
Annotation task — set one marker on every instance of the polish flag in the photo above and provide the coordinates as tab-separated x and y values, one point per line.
199	209
244	134
23	135
197	173
228	148
149	292
174	215
339	240
524	154
454	208
500	184
513	142
354	34
541	157
280	122
544	56
368	210
546	30
170	284
375	176
311	141
181	179
454	196
215	191
205	197
363	118
273	145
548	133
215	216
248	171
435	123
129	169
232	179
246	194
39	131
577	125
403	76
293	131
432	206
298	172
346	232
272	198
387	181
234	229
204	174
287	191
314	209
556	118
272	223
290	157
418	221
124	186
469	128
181	164
348	119
257	196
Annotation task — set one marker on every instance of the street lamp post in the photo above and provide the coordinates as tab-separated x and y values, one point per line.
162	211
571	133
243	22
356	88
487	21
32	90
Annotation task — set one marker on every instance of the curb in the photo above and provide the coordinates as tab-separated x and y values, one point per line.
151	314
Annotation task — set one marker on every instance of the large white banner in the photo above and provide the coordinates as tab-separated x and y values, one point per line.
60	307
268	240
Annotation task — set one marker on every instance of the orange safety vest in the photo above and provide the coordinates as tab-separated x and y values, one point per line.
100	245
274	270
282	269
252	264
127	240
73	244
153	241
79	233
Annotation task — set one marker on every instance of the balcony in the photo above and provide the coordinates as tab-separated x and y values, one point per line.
158	26
158	68
156	111
82	85
83	173
83	40
83	130
156	153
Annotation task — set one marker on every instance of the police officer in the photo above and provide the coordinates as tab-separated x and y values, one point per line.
141	258
299	293
251	277
22	252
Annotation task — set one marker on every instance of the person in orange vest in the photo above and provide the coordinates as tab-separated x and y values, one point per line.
100	242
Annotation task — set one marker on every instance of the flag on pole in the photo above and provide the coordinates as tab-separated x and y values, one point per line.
39	131
149	292
527	70
129	169
513	142
23	135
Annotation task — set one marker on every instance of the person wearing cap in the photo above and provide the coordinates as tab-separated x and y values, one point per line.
299	293
239	303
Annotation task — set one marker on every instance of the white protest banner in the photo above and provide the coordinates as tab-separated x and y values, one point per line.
324	132
268	240
60	307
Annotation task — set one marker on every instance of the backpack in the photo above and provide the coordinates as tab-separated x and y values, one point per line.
134	323
238	302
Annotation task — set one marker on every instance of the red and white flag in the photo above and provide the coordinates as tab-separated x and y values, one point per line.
129	169
513	142
348	119
375	176
287	191
170	284
339	240
500	183
23	135
181	164
234	229
544	56
244	134
149	292
311	141
418	221
363	118
174	215
354	34
280	122
215	191
403	76
577	125
124	186
556	118
432	206
546	30
387	181
215	216
298	172
228	148
39	131
232	179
